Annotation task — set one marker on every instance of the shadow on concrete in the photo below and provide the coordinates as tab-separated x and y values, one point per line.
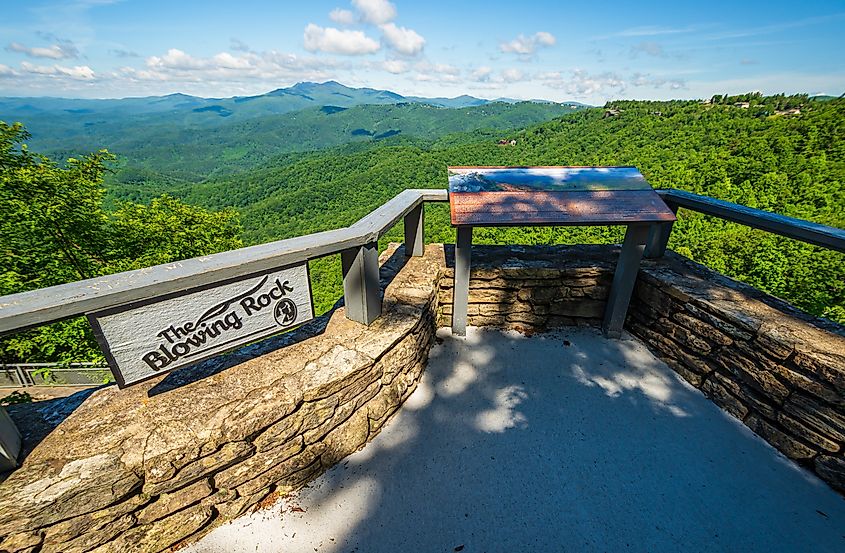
559	442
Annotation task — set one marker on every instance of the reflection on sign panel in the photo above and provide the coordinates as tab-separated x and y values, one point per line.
511	196
146	339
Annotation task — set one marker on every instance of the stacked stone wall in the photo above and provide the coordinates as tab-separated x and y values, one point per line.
138	470
533	289
165	461
776	369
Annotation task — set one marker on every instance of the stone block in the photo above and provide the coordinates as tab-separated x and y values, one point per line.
169	503
822	418
346	439
684	336
775	340
826	366
65	489
94	538
279	471
582	308
693	378
805	434
718	323
753	373
91	523
227	455
812	386
702	329
832	470
161	534
279	433
786	444
715	390
246	470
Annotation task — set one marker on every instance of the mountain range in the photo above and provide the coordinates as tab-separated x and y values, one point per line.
189	138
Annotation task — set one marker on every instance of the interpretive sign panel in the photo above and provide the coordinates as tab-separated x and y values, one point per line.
145	339
508	196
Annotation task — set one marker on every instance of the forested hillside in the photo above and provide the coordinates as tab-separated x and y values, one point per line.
162	141
758	156
783	154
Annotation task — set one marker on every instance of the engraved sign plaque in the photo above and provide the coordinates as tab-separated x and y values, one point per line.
146	339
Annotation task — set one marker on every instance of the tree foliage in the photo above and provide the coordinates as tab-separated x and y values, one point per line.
55	230
792	164
760	155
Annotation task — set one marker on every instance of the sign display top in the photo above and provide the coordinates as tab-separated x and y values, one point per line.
511	196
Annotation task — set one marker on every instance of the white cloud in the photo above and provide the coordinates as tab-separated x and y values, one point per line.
6	71
395	66
79	72
437	72
121	53
581	83
527	45
653	31
646	80
512	75
176	59
336	41
233	71
377	12
403	40
486	76
481	74
64	49
342	17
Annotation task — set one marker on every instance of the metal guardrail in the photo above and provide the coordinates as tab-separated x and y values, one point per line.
798	229
357	245
24	375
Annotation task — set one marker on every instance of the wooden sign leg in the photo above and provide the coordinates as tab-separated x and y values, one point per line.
624	279
460	297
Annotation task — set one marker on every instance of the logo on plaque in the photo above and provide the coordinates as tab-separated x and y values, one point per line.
144	339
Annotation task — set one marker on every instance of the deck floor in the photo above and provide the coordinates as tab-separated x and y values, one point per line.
558	442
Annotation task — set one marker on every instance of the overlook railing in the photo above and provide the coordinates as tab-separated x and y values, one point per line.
357	245
798	229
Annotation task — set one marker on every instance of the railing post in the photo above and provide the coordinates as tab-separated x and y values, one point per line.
414	221
361	292
658	235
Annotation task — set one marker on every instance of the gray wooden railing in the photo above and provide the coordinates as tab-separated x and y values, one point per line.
798	229
22	375
357	245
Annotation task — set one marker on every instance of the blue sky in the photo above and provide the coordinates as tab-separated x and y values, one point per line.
523	49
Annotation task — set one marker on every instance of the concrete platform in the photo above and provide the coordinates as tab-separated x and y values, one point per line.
558	442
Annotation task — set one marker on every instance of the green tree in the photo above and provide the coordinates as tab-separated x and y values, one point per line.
55	230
